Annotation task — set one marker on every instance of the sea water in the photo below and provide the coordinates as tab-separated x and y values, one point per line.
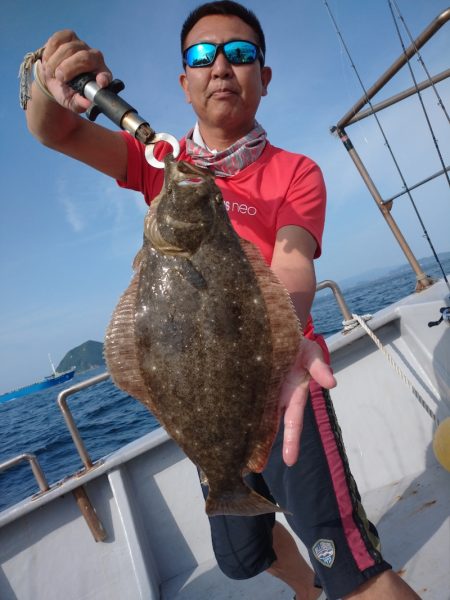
107	418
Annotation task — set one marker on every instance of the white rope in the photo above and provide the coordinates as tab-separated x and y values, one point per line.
25	72
395	366
350	324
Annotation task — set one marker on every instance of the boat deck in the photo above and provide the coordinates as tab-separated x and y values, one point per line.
413	520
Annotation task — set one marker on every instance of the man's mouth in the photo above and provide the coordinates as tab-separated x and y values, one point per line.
223	92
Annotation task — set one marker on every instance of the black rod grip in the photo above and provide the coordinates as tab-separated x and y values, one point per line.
112	105
105	100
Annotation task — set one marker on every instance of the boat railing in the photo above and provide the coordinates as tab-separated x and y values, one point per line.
79	493
70	421
349	322
73	429
35	467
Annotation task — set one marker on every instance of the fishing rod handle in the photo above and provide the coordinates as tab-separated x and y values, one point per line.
107	101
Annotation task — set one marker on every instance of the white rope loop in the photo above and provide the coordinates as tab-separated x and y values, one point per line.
25	72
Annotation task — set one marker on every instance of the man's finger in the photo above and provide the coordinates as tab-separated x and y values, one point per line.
322	373
311	358
293	421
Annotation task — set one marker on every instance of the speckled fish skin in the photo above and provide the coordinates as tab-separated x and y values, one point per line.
203	336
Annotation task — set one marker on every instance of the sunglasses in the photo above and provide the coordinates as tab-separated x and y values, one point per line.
237	52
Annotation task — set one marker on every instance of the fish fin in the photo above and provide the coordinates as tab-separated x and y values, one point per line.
120	349
138	259
286	338
258	459
241	502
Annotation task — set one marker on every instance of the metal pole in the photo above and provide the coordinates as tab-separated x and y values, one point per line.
400	96
416	185
79	493
396	66
62	403
423	281
89	514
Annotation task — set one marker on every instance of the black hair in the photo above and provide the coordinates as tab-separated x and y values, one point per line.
224	7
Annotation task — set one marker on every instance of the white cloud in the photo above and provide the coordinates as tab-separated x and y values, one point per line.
71	208
97	204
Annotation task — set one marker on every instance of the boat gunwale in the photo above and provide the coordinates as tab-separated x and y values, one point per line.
110	462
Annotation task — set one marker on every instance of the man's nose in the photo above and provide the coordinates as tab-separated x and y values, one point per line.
221	66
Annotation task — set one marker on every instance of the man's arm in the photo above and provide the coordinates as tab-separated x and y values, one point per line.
56	122
292	262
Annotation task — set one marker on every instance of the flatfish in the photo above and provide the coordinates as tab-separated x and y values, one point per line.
203	336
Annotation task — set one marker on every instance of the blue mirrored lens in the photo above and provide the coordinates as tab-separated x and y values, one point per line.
240	52
200	55
237	53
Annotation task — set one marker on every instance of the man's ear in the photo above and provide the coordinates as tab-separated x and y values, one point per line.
185	85
266	76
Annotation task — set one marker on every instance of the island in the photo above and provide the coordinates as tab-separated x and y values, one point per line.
84	357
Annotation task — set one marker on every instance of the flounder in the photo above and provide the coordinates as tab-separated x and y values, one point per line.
203	336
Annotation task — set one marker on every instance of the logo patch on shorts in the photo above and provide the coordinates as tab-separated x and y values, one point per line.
325	552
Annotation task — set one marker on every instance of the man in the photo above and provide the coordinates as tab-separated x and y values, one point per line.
224	79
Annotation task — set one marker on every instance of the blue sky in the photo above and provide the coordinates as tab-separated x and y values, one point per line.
68	234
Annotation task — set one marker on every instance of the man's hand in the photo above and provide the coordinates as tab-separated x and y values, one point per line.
294	393
54	118
66	56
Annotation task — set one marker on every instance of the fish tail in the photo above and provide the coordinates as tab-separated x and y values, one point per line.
241	502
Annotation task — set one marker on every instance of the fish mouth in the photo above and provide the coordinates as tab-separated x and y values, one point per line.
191	181
191	175
180	224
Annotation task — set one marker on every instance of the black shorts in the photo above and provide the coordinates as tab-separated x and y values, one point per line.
326	512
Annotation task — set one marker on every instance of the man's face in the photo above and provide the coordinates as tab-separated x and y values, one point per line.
224	96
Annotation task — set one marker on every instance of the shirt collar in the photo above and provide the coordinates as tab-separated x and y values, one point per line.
197	139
